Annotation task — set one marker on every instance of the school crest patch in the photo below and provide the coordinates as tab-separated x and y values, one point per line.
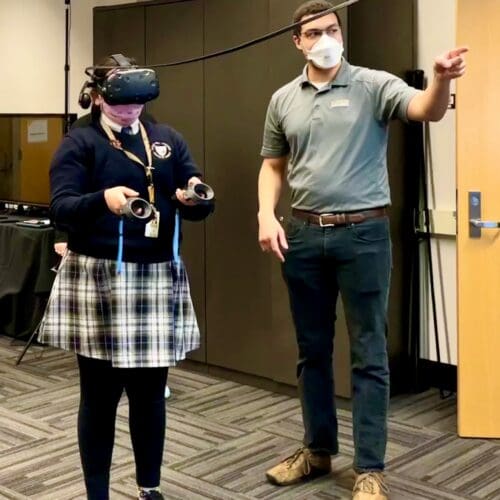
161	150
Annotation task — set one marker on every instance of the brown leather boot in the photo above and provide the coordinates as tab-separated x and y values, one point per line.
370	486
301	466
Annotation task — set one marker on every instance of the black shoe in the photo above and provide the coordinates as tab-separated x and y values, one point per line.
151	495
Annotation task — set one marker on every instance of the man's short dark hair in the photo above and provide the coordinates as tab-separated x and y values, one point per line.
309	9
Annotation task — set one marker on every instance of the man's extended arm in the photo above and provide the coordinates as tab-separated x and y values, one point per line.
432	103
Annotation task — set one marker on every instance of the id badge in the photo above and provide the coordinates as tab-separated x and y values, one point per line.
153	226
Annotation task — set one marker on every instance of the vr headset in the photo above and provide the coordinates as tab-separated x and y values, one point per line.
122	84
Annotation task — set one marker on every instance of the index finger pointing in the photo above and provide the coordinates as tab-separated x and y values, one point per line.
458	51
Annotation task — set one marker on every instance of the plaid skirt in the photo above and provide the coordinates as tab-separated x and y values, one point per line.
141	318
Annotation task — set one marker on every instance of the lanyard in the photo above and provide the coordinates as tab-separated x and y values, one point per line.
151	191
148	169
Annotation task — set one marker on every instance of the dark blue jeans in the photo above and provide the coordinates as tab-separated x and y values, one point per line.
356	261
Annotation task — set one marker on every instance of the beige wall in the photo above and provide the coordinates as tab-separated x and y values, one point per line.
32	34
436	34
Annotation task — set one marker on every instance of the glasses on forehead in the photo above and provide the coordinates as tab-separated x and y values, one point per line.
315	34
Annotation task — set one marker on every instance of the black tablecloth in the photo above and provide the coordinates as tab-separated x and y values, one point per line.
26	258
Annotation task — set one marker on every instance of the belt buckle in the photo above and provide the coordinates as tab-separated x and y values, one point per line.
321	223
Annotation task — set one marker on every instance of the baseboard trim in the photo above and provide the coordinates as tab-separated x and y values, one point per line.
239	377
430	374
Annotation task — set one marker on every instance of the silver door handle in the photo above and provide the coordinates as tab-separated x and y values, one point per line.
485	224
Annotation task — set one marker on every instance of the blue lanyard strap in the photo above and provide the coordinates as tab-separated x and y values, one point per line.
119	258
175	242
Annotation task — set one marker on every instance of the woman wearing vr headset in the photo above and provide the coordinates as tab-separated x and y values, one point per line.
121	298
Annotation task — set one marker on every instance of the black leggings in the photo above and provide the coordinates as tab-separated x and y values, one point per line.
101	387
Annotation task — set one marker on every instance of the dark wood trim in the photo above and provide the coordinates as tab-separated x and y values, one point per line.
138	4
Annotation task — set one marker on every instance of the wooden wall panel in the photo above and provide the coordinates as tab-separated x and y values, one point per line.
391	49
238	274
174	32
119	30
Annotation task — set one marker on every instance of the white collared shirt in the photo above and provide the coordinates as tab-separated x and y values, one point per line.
115	127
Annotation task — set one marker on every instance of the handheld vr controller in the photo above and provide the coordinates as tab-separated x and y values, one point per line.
201	194
137	208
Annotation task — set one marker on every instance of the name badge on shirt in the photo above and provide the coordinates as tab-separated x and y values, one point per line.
340	103
153	226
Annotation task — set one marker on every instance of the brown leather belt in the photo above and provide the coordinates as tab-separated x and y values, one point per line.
328	220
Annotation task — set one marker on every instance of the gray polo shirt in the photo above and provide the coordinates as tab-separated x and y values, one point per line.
336	137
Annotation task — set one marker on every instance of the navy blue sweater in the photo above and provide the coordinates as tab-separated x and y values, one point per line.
86	164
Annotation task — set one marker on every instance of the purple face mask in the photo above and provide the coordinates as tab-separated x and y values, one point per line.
122	114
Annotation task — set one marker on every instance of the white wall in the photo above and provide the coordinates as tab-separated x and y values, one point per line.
32	37
437	34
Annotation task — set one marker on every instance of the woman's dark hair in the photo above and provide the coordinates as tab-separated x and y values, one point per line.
309	9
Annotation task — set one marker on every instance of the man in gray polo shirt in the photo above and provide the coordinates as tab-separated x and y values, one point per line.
327	131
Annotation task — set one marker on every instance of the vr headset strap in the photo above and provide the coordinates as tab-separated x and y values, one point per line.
121	60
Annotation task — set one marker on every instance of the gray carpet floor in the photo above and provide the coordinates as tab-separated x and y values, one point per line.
221	438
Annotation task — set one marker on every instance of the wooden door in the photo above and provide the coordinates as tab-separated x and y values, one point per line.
478	157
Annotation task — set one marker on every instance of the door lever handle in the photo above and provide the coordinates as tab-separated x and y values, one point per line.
485	224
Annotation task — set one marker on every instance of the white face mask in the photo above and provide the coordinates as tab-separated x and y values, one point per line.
326	53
